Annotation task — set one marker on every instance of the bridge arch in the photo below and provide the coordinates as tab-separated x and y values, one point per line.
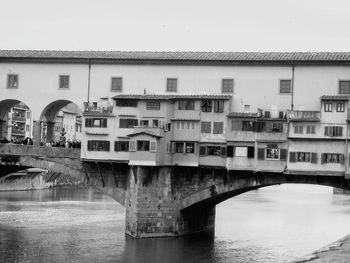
222	190
16	119
48	119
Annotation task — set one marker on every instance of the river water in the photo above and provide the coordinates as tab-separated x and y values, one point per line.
273	224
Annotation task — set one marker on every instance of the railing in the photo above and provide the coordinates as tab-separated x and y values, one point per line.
312	115
18	118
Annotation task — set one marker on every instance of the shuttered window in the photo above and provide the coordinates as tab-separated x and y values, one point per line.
227	85
333	131
202	150
143	145
98	145
218	106
283	154
310	129
116	84
186	104
171	85
261	154
230	149
218	128
308	157
128	123
153	146
121	146
344	87
332	158
64	82
205	127
285	86
298	129
153	105
206	105
251	152
12	81
96	122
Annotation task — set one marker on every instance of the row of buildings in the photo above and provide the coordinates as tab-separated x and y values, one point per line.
202	130
19	124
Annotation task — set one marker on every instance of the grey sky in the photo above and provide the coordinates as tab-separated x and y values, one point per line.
221	25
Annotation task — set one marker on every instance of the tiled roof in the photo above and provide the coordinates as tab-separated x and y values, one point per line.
264	57
335	97
171	97
242	115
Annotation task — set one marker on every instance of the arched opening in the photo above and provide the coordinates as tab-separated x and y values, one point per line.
61	123
16	122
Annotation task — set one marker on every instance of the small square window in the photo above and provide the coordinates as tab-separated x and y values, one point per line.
171	85
285	86
344	87
328	107
340	107
227	85
64	82
117	84
12	81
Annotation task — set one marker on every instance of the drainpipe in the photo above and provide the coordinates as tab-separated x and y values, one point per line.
292	100
88	95
346	148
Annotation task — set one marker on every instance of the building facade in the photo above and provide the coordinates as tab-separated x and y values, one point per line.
273	112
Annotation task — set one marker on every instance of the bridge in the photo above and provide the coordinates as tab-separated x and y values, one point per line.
186	130
159	201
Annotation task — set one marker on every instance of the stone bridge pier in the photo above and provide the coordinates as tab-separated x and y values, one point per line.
172	201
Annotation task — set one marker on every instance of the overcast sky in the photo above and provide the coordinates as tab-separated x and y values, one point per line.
178	25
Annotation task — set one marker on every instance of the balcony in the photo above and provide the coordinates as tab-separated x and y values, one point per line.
186	115
304	116
92	109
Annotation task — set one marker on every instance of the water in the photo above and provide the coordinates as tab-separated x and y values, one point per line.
273	224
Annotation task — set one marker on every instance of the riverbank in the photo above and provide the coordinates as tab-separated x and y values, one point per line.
337	252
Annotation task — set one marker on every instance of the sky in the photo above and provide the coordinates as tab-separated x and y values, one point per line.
178	25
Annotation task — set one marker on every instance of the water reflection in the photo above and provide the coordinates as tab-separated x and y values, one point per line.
274	224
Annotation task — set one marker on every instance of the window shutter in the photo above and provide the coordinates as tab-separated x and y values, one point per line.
104	123
296	129
283	154
326	131
313	157
153	147
230	151
341	158
116	146
202	150
323	158
261	154
251	152
168	147
172	147
340	129
223	151
292	157
132	146
269	126
236	125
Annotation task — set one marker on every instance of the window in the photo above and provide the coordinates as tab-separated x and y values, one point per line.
218	106
153	105
143	145
98	146
126	103
205	127
218	128
285	86
64	82
332	158
155	123
96	122
310	129
298	129
144	123
247	126
12	81
277	127
121	146
128	123
340	107
186	104
189	147
216	150
241	151
304	157
344	87
185	125
273	153
227	85
171	85
333	131
179	147
206	105
328	107
116	84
